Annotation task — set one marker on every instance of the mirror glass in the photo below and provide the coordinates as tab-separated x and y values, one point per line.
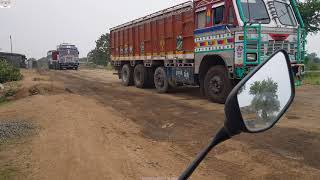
266	94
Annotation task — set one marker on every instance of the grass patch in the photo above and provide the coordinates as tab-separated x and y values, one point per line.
3	100
312	78
5	97
109	67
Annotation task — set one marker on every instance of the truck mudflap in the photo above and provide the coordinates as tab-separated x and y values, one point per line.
298	71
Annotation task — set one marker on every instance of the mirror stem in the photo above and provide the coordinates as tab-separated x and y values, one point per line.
220	137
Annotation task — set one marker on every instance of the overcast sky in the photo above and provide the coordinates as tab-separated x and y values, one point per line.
37	26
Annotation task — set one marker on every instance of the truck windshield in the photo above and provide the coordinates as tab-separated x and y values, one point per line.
255	11
64	52
285	14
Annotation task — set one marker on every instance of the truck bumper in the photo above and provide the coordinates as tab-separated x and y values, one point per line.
69	65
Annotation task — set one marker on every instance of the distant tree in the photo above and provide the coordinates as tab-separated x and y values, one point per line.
265	101
101	54
312	62
310	13
314	57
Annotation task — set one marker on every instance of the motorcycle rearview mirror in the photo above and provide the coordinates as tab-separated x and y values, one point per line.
256	104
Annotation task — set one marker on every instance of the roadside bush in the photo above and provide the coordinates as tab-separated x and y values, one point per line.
8	72
313	67
312	78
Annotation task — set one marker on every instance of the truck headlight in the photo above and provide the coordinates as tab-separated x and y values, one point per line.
251	57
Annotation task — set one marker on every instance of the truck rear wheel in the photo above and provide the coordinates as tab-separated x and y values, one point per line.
217	84
142	76
127	75
160	80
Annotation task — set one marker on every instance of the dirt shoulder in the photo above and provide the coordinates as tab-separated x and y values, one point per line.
90	127
80	138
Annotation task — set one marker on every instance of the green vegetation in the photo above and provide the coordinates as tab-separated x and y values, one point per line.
310	12
102	52
312	78
8	72
265	98
6	95
7	173
109	67
312	62
312	75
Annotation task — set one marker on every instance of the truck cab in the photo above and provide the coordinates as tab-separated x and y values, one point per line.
240	34
243	33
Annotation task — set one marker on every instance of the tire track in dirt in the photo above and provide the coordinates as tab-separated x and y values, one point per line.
191	128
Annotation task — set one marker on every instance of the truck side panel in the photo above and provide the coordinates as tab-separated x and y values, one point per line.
167	35
169	41
136	47
187	33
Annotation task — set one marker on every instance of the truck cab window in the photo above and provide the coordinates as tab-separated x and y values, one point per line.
285	13
255	11
218	13
201	19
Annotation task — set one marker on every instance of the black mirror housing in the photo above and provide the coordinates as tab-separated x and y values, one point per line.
234	122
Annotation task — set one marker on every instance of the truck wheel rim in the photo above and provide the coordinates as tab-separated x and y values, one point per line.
125	75
215	84
138	76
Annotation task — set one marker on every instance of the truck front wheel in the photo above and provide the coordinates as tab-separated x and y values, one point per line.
217	84
126	75
160	80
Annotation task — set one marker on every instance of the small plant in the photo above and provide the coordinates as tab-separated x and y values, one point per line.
8	72
109	67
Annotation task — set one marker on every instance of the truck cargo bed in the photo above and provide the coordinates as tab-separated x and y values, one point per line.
164	35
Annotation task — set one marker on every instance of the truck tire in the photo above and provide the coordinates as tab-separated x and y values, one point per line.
127	75
160	80
217	84
141	76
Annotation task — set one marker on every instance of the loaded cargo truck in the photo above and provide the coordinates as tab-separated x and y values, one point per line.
65	57
208	43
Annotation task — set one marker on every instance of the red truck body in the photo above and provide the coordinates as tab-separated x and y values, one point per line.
155	35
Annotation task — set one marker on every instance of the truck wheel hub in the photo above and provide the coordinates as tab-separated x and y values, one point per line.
215	85
159	79
125	75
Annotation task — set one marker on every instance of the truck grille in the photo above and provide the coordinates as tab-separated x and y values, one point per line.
274	46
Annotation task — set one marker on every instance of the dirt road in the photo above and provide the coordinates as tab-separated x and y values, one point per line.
90	127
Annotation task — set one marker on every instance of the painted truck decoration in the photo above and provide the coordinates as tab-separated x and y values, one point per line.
65	57
208	43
